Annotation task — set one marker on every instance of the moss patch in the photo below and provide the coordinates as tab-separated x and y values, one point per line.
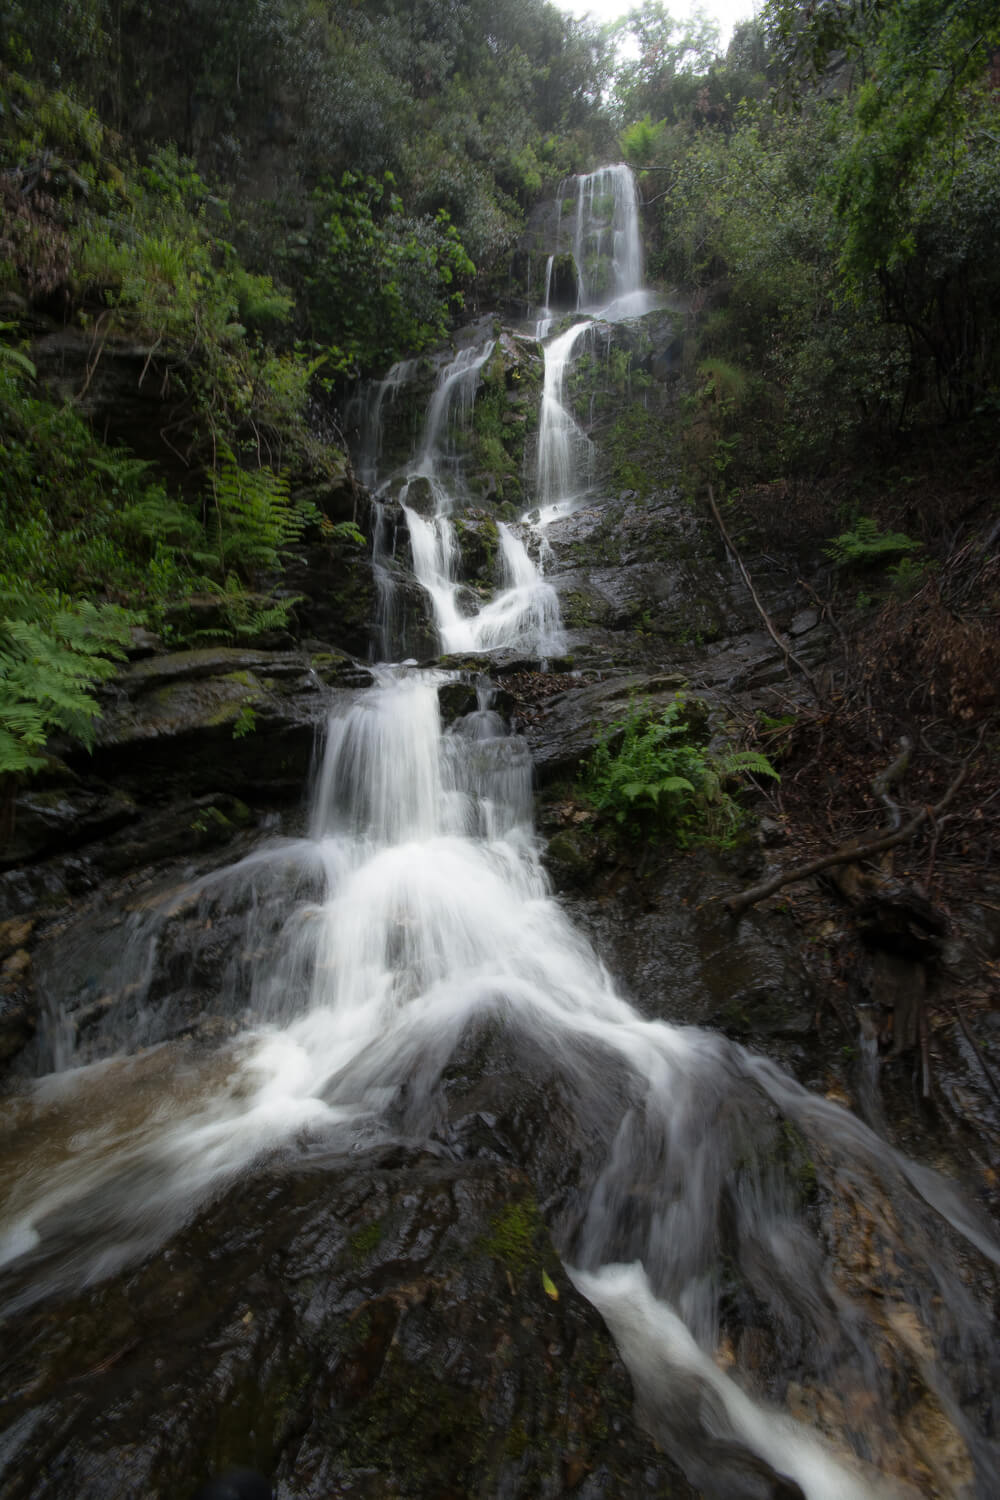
513	1235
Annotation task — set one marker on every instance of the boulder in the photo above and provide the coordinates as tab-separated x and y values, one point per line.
384	1325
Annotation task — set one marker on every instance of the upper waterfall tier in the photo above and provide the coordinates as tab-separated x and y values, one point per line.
603	235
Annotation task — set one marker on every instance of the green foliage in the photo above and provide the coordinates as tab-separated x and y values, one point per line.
245	722
53	652
381	283
865	543
638	449
254	522
78	516
14	361
653	780
815	368
917	182
643	141
661	62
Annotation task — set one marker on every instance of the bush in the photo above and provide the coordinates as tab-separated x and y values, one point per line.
53	651
649	776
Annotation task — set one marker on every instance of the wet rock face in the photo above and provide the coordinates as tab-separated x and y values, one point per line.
186	716
379	1328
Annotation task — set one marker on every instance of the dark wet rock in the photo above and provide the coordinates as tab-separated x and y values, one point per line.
645	581
64	816
897	917
208	619
18	1020
182	829
18	999
163	943
336	596
803	622
457	699
476	535
571	856
670	943
374	1328
408	616
564	284
771	833
130	392
185	740
419	495
142	643
337	668
236	1484
504	1097
197	719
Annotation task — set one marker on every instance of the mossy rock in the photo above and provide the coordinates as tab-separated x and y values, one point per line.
393	1325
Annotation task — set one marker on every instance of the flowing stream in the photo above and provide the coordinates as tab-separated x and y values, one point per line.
416	906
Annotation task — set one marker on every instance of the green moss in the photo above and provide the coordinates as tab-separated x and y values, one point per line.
433	1430
575	610
209	820
798	1162
366	1241
517	1441
512	1235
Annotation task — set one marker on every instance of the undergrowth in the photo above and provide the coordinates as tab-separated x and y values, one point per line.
651	776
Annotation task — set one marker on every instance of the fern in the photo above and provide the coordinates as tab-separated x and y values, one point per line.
651	779
13	360
865	543
735	763
53	652
255	520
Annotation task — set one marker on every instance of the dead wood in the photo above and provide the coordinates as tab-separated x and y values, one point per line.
783	647
744	899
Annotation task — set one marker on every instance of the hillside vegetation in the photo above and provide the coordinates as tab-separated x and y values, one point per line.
257	204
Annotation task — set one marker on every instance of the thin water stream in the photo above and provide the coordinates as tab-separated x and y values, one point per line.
416	906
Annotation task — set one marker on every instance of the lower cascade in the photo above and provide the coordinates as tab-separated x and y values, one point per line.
407	947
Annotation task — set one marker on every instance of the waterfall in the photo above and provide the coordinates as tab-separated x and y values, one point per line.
607	250
369	411
607	243
417	905
522	613
424	909
565	453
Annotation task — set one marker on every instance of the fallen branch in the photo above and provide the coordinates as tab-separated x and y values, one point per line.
976	1052
93	360
884	780
744	899
785	650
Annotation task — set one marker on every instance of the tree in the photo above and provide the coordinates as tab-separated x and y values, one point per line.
918	181
662	81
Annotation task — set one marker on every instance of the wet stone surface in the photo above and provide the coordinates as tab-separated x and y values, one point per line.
374	1328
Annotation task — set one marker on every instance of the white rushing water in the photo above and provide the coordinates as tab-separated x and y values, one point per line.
417	908
522	612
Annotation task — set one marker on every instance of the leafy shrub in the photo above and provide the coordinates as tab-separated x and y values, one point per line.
53	651
865	543
648	775
381	283
254	519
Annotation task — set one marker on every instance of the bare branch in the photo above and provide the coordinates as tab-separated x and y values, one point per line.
744	899
788	654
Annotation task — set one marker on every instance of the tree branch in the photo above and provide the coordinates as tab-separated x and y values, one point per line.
788	654
744	899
